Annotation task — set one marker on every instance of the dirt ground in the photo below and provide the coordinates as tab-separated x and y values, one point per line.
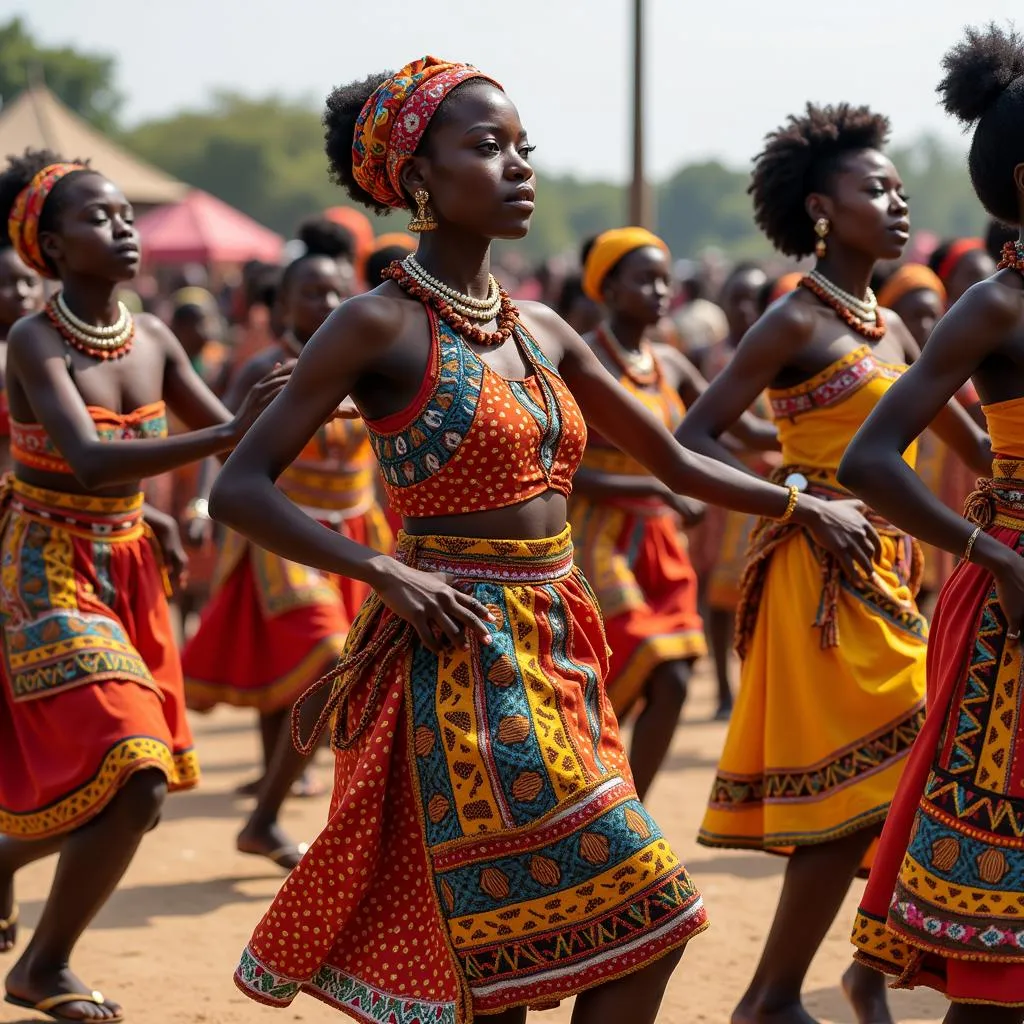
167	943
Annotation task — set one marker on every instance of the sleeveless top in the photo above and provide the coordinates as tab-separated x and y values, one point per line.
663	402
1006	427
817	419
335	472
472	441
32	447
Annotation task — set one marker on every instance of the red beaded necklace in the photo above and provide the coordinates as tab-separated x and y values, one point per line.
507	317
873	332
618	354
1012	257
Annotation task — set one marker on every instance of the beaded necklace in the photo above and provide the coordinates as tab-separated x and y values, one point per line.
507	316
483	310
873	329
112	342
1012	257
640	367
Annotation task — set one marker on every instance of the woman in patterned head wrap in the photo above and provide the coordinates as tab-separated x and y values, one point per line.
486	849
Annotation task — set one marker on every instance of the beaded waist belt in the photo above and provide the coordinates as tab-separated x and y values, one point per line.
473	559
87	515
999	501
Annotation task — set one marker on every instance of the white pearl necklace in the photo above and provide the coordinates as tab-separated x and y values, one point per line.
88	330
865	309
99	339
481	310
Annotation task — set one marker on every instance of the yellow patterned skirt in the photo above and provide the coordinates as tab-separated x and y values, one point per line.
827	711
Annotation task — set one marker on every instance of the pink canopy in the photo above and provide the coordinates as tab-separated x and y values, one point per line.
203	229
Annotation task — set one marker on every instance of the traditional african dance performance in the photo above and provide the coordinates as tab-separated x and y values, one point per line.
475	532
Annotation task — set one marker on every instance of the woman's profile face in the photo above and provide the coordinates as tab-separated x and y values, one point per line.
475	164
868	207
96	232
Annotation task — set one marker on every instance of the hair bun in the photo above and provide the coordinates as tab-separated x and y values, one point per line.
979	69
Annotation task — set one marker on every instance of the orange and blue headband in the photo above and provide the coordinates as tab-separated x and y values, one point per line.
393	120
23	223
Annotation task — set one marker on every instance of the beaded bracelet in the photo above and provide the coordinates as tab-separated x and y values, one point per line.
794	495
970	543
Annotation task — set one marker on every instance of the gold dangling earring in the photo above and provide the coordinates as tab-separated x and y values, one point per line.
821	228
424	219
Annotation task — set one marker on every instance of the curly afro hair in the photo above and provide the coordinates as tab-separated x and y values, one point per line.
323	237
800	158
18	175
343	106
984	87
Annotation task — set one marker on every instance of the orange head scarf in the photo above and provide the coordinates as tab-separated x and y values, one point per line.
911	277
23	223
608	249
957	251
785	284
394	119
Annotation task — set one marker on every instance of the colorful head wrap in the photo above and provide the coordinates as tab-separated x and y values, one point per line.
608	249
391	124
23	223
911	277
957	251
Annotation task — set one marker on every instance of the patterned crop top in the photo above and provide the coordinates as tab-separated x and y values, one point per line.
472	441
32	447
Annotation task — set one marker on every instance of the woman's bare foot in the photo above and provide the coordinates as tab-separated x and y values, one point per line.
752	1011
305	787
8	916
272	843
29	984
866	992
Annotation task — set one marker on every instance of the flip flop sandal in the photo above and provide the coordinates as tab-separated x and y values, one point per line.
11	921
281	855
50	1005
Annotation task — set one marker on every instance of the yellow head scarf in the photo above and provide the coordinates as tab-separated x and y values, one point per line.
608	249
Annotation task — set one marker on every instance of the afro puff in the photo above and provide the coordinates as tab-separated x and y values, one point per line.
800	158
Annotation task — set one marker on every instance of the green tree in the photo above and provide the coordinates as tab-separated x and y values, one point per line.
85	82
263	156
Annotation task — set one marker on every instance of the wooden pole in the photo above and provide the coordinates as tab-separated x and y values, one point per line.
639	197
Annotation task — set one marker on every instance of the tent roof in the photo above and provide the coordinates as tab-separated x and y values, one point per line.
204	229
37	119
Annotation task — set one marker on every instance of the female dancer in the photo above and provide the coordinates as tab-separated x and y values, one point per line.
820	731
943	904
627	525
486	849
288	623
21	293
92	722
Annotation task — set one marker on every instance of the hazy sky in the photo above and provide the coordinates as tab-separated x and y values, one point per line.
720	73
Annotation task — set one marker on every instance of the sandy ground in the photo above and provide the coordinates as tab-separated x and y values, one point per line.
167	943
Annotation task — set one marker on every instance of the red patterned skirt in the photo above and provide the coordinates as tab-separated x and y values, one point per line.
273	627
92	689
635	556
486	848
944	906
